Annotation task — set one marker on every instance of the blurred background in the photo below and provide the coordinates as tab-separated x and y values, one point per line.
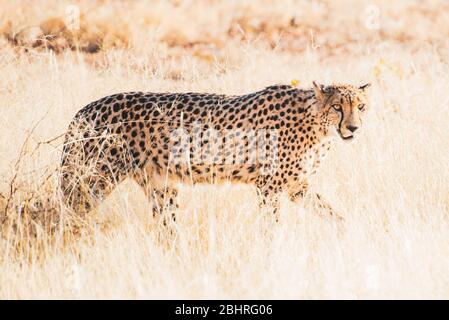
208	29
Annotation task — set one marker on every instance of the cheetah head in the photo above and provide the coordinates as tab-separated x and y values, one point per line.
343	106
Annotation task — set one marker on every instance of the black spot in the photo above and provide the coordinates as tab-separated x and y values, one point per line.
116	107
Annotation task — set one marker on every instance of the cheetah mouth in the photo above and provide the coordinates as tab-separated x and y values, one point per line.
347	138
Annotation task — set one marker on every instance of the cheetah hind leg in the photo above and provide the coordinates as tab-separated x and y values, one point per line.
82	193
165	203
164	209
163	200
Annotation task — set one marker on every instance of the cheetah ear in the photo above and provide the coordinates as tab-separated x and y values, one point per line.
365	86
319	90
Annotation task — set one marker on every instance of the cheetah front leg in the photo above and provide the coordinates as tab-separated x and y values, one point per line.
301	191
268	193
298	192
163	197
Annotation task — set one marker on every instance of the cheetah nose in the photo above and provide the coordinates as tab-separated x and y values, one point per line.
352	128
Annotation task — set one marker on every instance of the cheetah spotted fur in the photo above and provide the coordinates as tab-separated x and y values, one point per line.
134	135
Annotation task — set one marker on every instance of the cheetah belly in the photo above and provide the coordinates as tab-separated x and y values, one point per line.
179	164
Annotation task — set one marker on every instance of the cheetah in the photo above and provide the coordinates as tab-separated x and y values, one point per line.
273	139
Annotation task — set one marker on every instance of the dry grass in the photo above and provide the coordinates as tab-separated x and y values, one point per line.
391	185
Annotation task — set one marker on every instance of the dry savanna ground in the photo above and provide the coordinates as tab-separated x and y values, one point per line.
391	185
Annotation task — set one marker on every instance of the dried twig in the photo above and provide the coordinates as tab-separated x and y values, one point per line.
13	186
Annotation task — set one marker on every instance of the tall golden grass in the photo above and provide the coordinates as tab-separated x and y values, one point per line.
391	185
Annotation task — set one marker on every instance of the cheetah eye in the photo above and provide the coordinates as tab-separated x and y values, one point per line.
361	107
336	107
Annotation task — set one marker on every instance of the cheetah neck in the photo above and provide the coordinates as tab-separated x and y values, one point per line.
317	115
